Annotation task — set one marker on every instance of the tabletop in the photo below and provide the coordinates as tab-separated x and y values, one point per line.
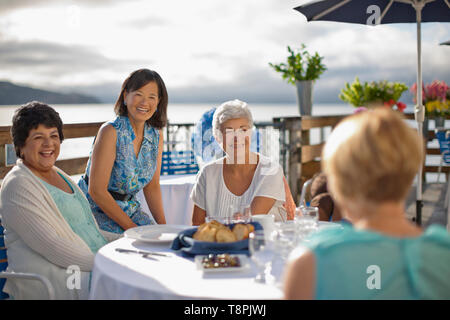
124	276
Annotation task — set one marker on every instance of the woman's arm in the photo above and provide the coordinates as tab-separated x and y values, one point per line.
300	276
289	205
261	205
152	191
102	162
198	216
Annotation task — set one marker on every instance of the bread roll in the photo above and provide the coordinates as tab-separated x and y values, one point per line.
250	227
225	235
241	231
206	233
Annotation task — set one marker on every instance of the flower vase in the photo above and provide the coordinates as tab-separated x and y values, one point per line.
425	128
304	96
439	122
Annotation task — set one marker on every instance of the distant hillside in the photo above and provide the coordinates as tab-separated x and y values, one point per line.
14	94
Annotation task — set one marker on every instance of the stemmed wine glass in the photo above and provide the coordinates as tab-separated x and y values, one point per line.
261	248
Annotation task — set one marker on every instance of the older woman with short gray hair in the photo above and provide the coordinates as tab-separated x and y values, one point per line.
241	179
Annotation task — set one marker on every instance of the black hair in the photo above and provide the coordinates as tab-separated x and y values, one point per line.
29	116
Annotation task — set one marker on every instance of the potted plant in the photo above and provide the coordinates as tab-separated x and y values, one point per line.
373	94
301	70
436	99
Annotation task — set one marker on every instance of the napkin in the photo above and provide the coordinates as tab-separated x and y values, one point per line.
190	247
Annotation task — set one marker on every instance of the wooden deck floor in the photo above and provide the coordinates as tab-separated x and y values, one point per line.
433	210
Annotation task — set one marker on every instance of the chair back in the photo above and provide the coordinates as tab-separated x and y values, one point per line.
178	162
305	197
3	262
443	137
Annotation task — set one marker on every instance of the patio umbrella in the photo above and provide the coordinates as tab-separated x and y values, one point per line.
373	12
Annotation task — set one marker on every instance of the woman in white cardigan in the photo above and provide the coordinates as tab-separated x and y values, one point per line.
49	228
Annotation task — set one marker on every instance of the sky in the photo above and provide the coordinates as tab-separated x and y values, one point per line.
205	50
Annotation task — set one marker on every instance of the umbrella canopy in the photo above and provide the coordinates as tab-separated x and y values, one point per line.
373	12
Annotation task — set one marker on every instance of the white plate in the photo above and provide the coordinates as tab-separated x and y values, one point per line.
245	264
158	233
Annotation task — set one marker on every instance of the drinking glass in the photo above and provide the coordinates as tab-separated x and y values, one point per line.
261	249
221	219
306	220
241	215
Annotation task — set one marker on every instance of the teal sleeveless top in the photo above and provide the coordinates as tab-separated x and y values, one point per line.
77	213
362	264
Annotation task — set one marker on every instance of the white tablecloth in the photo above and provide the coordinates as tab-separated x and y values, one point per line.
130	276
175	190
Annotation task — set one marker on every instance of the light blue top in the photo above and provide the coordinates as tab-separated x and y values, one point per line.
129	174
348	261
77	212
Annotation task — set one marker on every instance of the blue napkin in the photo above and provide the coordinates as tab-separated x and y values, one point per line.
190	247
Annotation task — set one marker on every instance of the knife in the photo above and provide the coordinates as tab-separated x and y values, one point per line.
141	252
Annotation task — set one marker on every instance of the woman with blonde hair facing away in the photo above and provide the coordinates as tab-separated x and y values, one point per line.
371	159
242	178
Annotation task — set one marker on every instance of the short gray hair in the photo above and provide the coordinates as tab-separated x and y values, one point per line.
233	109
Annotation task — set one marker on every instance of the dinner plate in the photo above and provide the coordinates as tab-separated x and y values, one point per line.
158	233
244	261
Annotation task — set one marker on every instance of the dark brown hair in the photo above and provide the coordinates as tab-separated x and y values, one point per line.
29	116
137	80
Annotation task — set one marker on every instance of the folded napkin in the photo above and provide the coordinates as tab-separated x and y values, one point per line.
190	247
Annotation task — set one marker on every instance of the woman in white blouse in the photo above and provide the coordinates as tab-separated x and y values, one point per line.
240	179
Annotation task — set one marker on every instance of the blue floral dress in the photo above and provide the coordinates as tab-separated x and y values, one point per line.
129	174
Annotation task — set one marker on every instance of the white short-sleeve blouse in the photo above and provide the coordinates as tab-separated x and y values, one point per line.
212	195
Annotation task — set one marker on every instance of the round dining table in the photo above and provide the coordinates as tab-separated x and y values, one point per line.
124	276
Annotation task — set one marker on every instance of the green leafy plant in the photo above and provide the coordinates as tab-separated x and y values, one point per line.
383	92
301	65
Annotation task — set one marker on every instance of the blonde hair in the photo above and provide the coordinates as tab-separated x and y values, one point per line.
372	157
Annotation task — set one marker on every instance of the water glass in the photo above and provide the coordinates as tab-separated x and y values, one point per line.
221	219
261	249
241	215
306	220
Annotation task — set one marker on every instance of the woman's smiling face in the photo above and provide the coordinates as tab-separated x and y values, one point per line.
236	135
41	148
142	103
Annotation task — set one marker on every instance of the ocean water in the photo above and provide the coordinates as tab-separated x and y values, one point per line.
189	113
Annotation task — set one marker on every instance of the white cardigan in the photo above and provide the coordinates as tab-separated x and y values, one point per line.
38	238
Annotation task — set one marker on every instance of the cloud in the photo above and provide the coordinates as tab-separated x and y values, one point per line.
8	6
47	63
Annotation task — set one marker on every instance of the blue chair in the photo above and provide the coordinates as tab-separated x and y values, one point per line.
443	137
14	275
178	162
206	148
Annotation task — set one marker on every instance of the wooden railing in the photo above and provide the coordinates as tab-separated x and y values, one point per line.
301	159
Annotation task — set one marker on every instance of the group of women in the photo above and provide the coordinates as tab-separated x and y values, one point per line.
52	223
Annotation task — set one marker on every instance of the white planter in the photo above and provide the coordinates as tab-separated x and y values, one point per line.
304	96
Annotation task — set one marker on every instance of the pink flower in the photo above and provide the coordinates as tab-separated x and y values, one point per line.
360	109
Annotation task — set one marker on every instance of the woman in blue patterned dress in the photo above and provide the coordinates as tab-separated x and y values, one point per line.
126	157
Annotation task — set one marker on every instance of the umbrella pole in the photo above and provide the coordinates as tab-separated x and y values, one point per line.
419	111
